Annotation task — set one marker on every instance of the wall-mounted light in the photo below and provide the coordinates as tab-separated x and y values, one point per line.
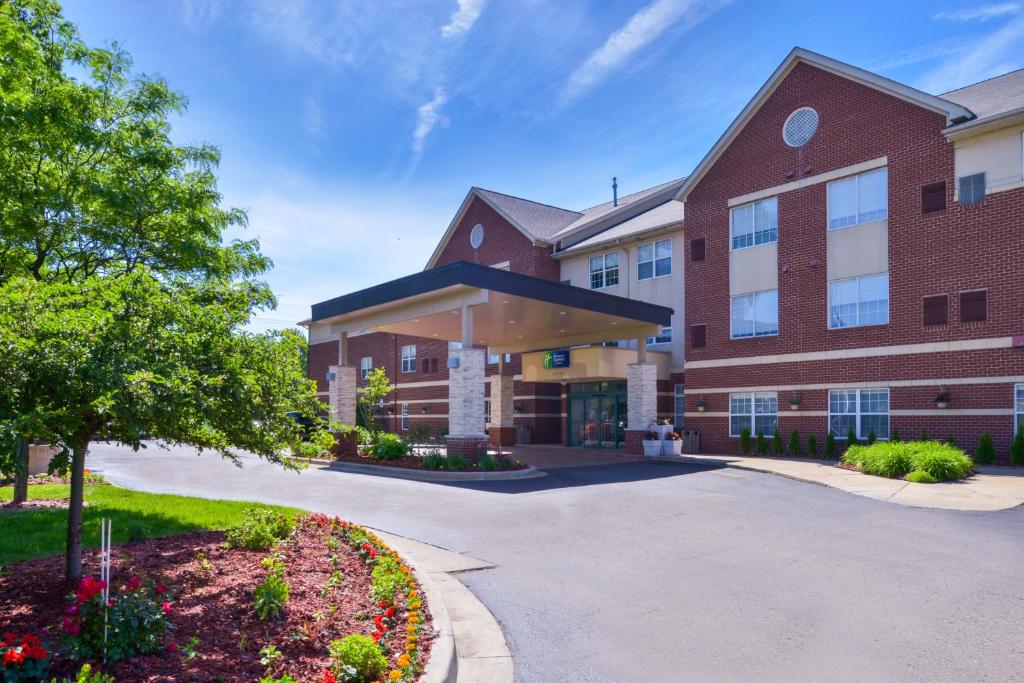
425	408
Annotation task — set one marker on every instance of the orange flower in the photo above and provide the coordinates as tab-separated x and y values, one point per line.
395	675
410	647
410	629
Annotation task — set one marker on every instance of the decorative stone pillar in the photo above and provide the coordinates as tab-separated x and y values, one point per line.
641	403
503	428
466	403
341	392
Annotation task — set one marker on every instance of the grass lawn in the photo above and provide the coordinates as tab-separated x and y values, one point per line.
134	516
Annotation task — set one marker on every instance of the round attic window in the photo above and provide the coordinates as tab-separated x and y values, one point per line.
476	236
800	127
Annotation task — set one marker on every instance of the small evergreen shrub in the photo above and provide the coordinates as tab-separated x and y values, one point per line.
895	436
259	529
456	463
389	447
921	477
851	438
924	435
951	441
745	441
1017	449
812	446
794	443
986	451
487	463
506	464
830	446
357	658
434	461
762	443
777	448
871	437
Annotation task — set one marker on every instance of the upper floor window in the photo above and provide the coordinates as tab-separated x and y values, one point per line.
755	315
755	223
858	199
604	270
972	189
664	338
859	301
365	365
654	259
409	358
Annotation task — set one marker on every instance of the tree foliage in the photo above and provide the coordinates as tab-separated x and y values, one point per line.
368	397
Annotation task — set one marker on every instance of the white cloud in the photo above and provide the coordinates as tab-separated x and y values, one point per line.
463	18
994	54
982	13
642	28
312	116
198	13
427	117
920	54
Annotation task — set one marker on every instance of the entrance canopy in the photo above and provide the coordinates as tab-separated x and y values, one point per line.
482	306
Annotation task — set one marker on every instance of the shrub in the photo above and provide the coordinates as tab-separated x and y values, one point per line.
924	435
386	581
506	464
419	433
951	441
456	463
87	675
1017	449
851	438
881	459
895	436
309	449
762	443
136	618
777	448
794	443
921	477
389	447
434	461
942	461
812	446
871	437
986	452
271	594
745	441
830	446
22	658
895	460
259	529
487	463
357	658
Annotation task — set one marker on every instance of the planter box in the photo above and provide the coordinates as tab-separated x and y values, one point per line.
672	447
663	430
652	447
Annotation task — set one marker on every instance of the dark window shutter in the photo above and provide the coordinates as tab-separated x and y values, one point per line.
933	197
433	365
698	336
936	310
697	249
973	306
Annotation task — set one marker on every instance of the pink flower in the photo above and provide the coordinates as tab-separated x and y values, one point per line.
72	610
173	647
133	584
160	589
111	602
167	607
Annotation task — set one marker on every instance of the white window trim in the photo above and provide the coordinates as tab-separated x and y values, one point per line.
740	206
753	396
732	334
984	186
1018	411
858	278
828	202
858	413
409	359
364	367
405	417
604	270
654	260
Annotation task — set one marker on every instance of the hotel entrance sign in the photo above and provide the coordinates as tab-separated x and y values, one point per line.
556	359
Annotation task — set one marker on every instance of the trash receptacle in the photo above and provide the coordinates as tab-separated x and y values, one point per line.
691	440
523	434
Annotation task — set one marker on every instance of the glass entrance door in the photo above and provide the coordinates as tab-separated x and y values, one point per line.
597	418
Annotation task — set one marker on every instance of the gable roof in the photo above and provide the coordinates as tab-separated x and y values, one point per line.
953	111
662	217
991	97
626	205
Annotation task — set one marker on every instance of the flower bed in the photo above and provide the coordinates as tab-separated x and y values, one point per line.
344	588
436	461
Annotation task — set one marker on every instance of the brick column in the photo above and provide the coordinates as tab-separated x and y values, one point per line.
466	403
342	394
503	428
641	403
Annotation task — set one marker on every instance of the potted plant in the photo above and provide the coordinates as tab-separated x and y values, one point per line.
942	400
663	428
794	402
652	443
701	405
674	444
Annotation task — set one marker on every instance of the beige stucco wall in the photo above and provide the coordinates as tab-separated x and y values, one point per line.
664	291
858	250
998	154
754	269
593	363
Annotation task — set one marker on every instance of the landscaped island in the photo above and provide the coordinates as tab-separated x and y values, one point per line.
275	596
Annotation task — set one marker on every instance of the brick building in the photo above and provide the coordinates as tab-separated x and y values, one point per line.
853	259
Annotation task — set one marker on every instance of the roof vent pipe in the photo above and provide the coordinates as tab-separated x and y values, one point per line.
615	191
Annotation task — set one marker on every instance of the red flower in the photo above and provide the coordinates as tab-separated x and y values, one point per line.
389	612
9	639
329	677
167	607
173	647
88	589
383	604
160	589
377	635
14	656
111	602
133	584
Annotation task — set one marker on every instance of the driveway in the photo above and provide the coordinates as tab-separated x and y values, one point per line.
628	571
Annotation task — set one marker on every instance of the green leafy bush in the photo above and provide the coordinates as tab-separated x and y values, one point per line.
87	675
389	447
259	529
435	461
762	443
1017	449
871	437
986	452
830	446
456	463
310	449
851	438
745	441
895	460
271	595
136	620
883	460
895	436
942	461
794	443
419	433
487	463
357	658
777	448
812	446
506	464
386	580
921	477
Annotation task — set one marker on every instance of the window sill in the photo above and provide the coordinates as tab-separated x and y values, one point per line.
754	246
856	225
856	327
752	337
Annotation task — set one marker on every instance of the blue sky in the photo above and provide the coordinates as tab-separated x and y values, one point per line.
351	131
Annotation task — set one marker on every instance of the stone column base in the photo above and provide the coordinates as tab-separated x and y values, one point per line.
635	441
503	436
468	447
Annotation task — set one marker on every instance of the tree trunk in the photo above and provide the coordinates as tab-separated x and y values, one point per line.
21	472
73	557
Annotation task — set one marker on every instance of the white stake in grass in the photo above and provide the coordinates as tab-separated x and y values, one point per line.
105	576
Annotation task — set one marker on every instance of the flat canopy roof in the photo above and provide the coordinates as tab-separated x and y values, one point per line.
510	312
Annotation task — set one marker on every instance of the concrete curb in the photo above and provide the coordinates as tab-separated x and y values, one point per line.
470	645
431	475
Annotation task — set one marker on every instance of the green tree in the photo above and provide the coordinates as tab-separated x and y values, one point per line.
777	447
830	446
762	443
794	443
986	452
812	446
137	357
368	397
1017	449
745	441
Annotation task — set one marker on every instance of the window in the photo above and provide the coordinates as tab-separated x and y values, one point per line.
972	189
936	310
409	358
697	249
365	365
973	306
454	346
933	197
755	223
604	270
654	259
664	338
405	416
487	411
858	199
862	410
859	301
680	406
755	315
698	336
758	412
494	359
1018	408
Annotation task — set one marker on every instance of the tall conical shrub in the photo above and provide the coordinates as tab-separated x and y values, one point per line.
986	452
812	446
745	441
794	443
1017	449
777	447
762	443
830	446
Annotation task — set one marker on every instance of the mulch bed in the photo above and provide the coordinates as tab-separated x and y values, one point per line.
37	504
408	463
215	605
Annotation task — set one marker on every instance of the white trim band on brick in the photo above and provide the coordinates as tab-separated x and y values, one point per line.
961	381
809	181
959	412
863	352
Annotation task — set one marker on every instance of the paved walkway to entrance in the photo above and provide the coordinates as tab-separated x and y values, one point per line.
992	488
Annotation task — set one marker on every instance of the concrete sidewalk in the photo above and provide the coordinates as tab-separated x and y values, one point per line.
992	488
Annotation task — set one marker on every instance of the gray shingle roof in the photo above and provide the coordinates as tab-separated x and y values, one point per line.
992	97
599	211
669	213
540	220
